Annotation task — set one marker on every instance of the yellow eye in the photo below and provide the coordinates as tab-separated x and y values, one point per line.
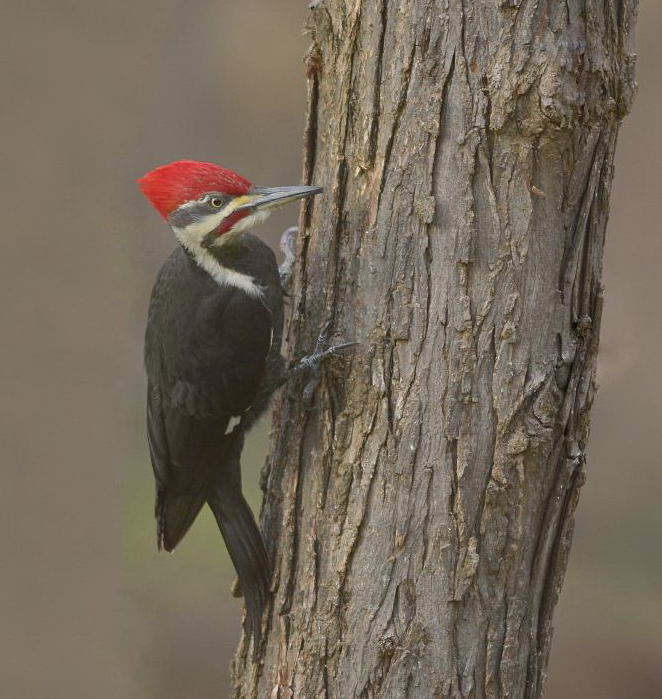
216	202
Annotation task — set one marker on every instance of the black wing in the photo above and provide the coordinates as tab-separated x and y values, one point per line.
209	369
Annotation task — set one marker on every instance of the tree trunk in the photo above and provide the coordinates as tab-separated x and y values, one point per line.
419	516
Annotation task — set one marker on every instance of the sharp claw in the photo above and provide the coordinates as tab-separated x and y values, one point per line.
321	352
344	345
335	350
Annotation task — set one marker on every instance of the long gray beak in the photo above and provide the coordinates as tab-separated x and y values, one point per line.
272	197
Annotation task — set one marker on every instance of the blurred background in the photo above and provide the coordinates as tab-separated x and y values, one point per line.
94	94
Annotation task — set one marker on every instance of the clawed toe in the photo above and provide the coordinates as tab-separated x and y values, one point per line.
321	352
334	349
312	362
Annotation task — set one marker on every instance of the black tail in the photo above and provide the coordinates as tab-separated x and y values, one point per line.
246	548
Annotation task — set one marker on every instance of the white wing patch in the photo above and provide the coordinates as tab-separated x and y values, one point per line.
232	423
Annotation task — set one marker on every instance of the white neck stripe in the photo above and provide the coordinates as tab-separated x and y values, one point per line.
222	275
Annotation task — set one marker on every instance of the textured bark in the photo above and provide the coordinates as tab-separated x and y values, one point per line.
420	515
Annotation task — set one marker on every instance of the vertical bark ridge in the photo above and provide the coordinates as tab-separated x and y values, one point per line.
420	515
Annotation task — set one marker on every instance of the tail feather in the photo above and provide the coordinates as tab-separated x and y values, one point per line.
175	514
246	548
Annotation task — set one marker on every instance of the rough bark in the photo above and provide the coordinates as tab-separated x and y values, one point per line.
420	515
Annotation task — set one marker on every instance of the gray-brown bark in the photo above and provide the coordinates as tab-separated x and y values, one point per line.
420	515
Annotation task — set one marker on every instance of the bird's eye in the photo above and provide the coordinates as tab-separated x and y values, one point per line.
216	202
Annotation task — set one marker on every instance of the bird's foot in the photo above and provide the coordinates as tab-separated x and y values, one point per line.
321	352
312	363
288	241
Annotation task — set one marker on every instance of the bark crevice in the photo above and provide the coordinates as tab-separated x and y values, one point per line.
420	516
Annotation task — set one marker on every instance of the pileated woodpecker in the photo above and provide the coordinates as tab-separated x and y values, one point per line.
212	353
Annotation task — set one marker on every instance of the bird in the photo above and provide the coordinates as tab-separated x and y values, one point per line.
212	356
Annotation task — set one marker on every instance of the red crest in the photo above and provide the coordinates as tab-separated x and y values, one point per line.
169	186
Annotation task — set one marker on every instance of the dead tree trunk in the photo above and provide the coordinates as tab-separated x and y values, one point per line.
420	514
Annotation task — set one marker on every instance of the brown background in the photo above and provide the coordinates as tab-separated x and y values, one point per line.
95	93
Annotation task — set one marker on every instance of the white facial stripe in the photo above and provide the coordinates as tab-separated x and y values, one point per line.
201	227
192	235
